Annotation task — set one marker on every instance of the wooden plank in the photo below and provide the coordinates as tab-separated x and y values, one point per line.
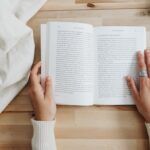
84	144
82	5
92	13
110	1
78	123
20	103
108	130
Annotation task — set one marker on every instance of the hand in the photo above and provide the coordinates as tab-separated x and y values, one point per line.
141	94
42	102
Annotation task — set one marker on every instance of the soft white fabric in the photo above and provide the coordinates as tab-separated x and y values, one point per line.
148	130
43	135
16	46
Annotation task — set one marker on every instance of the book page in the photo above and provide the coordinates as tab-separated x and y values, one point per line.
116	51
71	61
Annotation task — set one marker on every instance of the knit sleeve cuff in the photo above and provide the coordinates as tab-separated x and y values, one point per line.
148	128
43	135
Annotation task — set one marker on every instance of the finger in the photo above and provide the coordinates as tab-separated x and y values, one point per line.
39	78
132	86
36	68
48	88
34	73
141	64
141	61
147	60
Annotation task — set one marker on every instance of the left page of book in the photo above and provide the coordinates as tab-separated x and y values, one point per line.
68	56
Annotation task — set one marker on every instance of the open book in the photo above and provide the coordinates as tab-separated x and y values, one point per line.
88	64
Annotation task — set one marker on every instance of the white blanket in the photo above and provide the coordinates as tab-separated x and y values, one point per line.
16	46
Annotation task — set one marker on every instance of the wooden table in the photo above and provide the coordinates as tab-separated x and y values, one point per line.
83	128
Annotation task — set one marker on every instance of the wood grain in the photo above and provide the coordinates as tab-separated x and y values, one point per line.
111	1
99	4
84	128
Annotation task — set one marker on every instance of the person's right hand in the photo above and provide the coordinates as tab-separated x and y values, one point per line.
141	94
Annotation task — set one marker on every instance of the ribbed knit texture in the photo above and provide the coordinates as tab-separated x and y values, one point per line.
148	130
43	135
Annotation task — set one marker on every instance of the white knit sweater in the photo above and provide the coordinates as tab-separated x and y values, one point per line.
44	138
43	135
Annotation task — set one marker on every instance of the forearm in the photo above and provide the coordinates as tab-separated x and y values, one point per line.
43	135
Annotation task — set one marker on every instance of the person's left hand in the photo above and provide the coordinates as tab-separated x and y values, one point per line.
42	102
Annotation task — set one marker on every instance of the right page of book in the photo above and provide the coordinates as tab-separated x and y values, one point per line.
116	58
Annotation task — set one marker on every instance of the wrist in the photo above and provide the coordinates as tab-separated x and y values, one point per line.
43	117
147	119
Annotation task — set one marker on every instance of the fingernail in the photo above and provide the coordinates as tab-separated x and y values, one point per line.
147	50
127	78
139	54
48	78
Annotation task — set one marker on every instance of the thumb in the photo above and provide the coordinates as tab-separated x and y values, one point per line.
48	88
